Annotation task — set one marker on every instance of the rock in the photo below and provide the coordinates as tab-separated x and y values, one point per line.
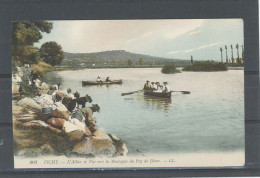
101	134
56	122
88	132
57	131
29	103
73	124
102	147
25	117
59	114
39	122
76	135
32	125
83	147
121	149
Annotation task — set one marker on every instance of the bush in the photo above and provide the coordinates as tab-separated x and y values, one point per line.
206	66
170	69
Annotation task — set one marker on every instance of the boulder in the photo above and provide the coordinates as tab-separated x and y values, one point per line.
88	132
121	149
56	122
101	134
83	147
96	147
102	147
76	135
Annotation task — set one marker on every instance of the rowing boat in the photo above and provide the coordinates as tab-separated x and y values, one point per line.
158	94
102	83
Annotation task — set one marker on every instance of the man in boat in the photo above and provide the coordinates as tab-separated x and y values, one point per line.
98	79
166	87
107	80
147	85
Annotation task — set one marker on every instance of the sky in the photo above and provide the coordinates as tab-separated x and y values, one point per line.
173	38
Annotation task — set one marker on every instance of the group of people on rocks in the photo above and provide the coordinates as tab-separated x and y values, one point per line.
99	79
72	101
156	86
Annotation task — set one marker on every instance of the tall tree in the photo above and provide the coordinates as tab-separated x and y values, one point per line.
232	57
242	52
191	59
221	54
237	46
25	34
129	62
52	53
226	54
141	61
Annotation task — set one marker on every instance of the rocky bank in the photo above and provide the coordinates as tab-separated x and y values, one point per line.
45	126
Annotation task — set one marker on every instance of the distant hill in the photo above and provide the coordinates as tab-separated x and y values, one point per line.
117	58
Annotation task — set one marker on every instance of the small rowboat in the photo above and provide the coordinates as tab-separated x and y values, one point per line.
102	83
158	94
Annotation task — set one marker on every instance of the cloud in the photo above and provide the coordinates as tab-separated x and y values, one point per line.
193	49
174	52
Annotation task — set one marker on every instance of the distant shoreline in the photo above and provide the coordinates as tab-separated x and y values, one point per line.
67	68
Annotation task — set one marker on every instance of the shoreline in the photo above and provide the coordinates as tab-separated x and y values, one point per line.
42	124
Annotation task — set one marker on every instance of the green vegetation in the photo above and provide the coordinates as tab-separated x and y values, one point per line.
51	53
170	69
25	34
206	66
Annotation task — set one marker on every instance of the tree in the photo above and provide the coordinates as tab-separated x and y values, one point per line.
25	34
52	53
237	46
129	62
226	54
141	61
191	60
221	54
232	58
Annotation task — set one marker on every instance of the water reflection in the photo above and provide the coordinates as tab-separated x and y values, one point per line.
155	102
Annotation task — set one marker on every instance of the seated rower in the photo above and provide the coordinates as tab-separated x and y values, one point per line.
107	79
98	79
147	85
166	87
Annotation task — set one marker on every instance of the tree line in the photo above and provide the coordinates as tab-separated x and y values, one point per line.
25	35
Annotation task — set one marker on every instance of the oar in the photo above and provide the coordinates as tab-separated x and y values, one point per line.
183	92
129	93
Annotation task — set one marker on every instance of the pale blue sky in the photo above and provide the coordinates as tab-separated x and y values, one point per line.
178	39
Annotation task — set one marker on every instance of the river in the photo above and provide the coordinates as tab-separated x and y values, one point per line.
210	119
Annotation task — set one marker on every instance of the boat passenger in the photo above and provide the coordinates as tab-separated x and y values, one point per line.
147	85
98	79
154	87
158	89
166	87
107	80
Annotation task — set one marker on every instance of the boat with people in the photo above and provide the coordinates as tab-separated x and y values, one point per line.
151	92
102	82
155	89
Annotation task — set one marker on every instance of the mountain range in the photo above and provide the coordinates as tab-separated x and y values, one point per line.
119	57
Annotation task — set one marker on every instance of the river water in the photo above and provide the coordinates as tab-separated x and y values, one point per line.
210	119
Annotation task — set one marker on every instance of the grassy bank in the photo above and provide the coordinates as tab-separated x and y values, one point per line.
206	66
170	69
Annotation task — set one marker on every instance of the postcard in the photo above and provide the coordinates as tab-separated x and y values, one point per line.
99	94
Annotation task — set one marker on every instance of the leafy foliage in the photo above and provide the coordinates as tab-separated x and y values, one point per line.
206	66
169	69
52	53
25	34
